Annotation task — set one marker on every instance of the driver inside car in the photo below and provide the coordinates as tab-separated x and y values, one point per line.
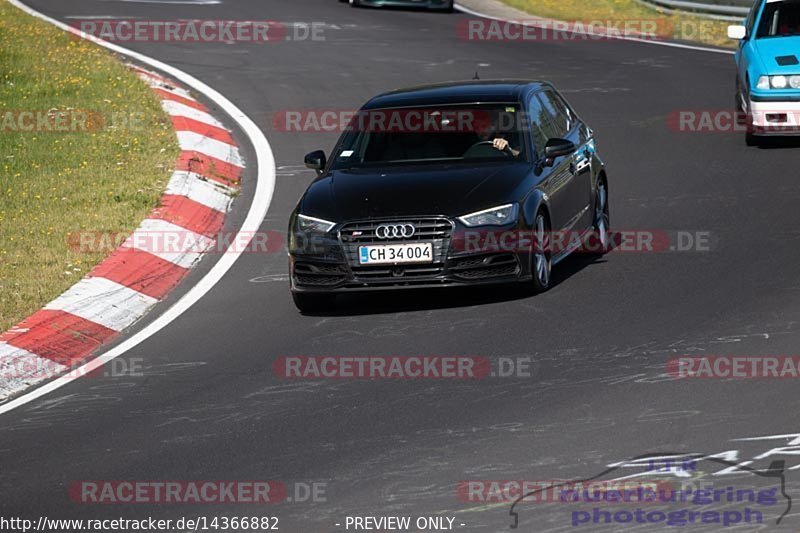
490	131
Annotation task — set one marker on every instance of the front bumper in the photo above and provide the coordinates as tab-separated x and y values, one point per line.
771	117
334	265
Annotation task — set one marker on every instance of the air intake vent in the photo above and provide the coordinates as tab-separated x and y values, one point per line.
787	61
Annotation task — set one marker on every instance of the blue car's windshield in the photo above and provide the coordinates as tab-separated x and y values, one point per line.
426	135
780	19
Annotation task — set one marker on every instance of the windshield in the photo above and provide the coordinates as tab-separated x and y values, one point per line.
442	134
780	19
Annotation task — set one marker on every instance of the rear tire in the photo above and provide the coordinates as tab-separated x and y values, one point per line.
311	303
355	3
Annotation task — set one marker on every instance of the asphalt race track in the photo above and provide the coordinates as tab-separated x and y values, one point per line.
209	406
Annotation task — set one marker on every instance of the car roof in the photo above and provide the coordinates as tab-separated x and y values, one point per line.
460	92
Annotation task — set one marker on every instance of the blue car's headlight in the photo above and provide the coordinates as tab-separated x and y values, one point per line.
496	216
778	82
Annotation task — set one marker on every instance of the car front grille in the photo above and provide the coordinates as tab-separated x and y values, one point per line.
397	273
436	230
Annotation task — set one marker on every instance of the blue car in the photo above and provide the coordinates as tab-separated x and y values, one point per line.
441	5
768	68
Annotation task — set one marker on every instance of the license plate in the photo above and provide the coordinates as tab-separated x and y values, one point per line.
390	254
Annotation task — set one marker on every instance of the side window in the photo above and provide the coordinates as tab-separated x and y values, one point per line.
559	116
538	119
563	108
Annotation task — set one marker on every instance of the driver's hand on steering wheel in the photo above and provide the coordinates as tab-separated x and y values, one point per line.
502	144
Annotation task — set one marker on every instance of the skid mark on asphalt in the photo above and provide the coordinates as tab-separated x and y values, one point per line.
191	439
293	170
392	326
269	278
172	368
602	90
179	2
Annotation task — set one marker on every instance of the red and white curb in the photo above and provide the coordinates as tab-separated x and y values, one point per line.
128	283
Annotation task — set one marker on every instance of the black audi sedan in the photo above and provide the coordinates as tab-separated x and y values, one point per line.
455	184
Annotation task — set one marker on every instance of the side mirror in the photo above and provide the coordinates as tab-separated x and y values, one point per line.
315	160
737	31
556	148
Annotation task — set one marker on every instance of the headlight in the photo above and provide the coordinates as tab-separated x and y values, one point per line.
496	216
778	82
313	225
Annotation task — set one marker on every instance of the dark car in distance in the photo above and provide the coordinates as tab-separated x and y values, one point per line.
421	179
441	5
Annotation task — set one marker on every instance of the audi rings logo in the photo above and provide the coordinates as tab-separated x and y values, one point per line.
395	231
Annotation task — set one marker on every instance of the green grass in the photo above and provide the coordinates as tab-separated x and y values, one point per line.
53	184
677	26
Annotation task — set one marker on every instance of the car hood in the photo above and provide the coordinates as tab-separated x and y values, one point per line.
771	49
451	190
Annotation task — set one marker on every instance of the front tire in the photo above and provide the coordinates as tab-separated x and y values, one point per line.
601	227
312	303
745	119
541	255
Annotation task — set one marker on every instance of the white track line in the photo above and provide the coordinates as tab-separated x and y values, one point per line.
669	44
265	187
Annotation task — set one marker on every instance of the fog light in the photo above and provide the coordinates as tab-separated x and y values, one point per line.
777	117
